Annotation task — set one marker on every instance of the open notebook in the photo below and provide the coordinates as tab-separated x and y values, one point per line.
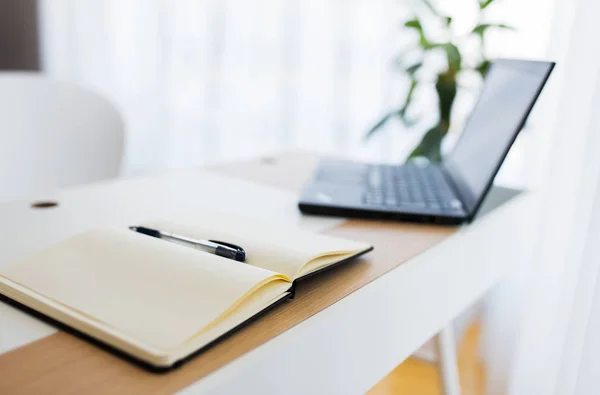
159	302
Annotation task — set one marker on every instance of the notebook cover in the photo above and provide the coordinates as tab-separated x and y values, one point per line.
115	351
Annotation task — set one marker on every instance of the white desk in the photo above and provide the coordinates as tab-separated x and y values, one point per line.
346	348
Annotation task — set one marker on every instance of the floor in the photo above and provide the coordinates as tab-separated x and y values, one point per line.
416	377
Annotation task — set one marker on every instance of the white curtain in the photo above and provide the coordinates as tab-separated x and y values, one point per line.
201	81
559	342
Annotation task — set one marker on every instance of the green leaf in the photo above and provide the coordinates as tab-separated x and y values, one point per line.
398	113
423	41
482	28
380	124
483	67
407	102
414	24
446	88
430	146
428	45
448	21
483	4
414	68
454	57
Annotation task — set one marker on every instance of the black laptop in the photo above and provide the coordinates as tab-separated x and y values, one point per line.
446	193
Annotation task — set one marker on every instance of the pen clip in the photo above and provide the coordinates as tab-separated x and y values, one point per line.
240	254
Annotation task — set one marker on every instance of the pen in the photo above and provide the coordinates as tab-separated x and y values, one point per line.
219	248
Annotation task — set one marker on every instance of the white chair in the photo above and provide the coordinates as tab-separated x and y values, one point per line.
54	134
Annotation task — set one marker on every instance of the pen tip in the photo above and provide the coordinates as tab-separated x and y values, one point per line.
133	227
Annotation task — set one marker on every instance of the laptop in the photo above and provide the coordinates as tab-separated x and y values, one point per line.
447	193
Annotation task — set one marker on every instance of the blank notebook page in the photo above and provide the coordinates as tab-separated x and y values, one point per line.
148	289
282	249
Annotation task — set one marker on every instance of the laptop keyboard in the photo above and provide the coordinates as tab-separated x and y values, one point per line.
409	185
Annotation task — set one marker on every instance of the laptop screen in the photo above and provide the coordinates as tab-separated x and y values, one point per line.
510	90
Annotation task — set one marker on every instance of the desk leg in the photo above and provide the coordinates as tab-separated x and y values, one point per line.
446	361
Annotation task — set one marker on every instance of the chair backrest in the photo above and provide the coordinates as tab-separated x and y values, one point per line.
54	134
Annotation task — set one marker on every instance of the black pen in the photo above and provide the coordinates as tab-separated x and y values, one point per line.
219	248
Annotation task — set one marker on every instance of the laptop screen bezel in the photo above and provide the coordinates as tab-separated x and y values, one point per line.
472	202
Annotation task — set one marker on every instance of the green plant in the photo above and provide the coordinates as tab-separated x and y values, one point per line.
446	85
